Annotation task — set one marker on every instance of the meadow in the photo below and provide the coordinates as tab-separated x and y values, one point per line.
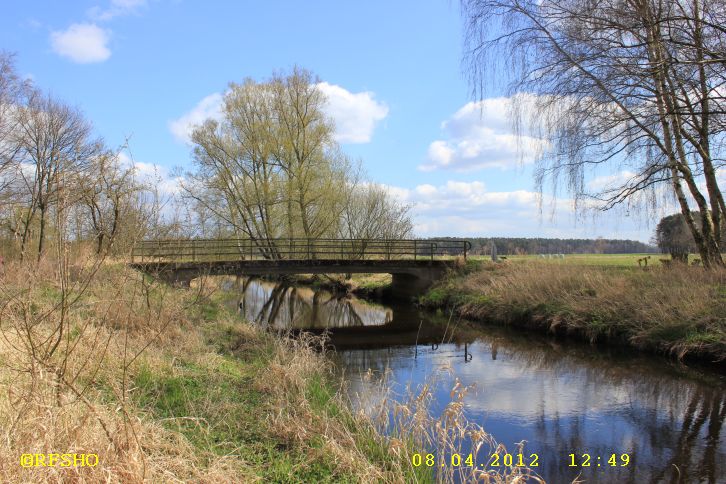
611	260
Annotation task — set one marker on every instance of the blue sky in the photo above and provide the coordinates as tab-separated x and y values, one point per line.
392	71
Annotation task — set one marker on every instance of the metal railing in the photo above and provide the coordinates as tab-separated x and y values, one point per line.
210	250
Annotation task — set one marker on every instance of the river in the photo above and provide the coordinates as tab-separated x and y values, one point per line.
572	403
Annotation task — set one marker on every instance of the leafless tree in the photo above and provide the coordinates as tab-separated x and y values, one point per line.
634	85
108	192
12	89
371	212
53	142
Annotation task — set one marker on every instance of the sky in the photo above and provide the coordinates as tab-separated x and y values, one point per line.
148	70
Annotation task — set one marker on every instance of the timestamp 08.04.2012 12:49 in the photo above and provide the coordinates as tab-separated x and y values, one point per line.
518	460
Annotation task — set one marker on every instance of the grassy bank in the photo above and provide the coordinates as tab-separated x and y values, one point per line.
168	385
363	285
679	311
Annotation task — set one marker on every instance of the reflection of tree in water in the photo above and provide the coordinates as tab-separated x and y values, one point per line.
661	413
706	411
677	413
284	306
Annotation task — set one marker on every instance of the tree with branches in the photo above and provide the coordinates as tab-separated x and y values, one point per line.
636	86
54	145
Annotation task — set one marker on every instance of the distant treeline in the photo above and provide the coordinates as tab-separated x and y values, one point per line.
524	246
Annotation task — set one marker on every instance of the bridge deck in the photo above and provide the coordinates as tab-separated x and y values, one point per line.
412	263
214	250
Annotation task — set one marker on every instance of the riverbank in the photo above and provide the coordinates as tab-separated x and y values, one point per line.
367	286
168	384
680	312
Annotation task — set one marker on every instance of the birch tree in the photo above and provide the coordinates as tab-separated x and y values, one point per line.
637	85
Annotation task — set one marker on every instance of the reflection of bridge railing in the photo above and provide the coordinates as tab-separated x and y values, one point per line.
208	250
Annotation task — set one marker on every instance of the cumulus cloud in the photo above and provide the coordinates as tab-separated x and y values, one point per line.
82	43
480	135
152	175
208	108
355	114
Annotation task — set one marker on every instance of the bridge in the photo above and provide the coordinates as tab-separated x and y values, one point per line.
414	264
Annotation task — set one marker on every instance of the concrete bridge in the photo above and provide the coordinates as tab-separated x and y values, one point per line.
414	264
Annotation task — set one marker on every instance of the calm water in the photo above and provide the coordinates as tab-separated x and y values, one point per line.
560	397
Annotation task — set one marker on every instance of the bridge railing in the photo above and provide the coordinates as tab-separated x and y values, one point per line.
210	250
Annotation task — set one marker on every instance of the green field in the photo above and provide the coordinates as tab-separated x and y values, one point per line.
618	260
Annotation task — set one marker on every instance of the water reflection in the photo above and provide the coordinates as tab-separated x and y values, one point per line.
561	398
282	306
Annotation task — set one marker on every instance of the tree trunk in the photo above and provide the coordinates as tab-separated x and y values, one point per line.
41	234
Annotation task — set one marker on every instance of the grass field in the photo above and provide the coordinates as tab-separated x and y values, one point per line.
620	260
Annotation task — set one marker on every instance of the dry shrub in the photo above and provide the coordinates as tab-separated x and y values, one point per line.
296	363
414	428
73	396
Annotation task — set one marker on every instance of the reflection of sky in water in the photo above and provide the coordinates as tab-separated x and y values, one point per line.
289	307
562	405
560	398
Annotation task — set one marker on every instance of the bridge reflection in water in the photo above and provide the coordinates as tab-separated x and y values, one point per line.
280	307
349	322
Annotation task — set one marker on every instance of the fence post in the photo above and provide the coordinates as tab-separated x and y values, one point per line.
415	251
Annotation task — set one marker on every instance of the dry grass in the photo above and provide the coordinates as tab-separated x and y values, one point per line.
415	429
166	385
681	311
77	398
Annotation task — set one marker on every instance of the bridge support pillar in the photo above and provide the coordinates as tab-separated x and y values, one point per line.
411	284
176	278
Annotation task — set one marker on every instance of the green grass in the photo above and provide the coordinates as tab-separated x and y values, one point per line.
220	412
608	260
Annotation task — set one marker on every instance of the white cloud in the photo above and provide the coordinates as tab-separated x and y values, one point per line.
82	43
609	182
117	8
355	114
480	135
153	175
209	107
468	209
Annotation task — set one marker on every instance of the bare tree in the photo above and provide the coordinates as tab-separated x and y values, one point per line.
53	142
11	99
371	212
635	85
107	191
